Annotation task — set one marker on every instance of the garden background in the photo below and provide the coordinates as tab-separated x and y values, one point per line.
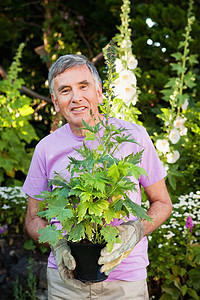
158	86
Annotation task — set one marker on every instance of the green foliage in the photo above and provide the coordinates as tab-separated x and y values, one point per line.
31	246
13	205
32	283
18	290
190	158
74	29
183	282
15	130
174	252
178	92
97	192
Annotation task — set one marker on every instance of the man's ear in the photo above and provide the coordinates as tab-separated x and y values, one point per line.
100	95
55	103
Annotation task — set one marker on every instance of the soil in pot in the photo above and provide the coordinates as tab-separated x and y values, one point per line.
87	267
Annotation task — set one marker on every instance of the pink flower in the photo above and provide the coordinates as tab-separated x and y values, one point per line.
189	223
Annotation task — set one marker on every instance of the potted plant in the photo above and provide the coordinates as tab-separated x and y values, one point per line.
97	192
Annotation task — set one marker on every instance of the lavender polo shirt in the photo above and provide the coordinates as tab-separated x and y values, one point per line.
51	154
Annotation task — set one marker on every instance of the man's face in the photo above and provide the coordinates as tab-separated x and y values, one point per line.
75	96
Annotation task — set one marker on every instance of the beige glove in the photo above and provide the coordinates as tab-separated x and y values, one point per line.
130	233
64	260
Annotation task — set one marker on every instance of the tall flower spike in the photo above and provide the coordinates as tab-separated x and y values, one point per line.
111	73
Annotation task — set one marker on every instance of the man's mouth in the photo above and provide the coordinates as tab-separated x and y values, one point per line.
78	108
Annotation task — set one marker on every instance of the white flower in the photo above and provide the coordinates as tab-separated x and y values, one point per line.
127	77
178	122
126	44
185	104
183	131
166	167
5	206
125	92
174	136
118	65
162	145
173	157
133	100
169	235
132	62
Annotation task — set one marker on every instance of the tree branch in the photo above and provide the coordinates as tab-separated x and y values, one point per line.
26	90
85	41
97	58
34	94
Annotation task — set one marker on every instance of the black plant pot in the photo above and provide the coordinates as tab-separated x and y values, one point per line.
87	267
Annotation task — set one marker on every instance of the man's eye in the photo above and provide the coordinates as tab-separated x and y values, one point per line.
83	87
65	91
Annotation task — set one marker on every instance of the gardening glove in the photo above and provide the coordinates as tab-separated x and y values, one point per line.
130	233
64	260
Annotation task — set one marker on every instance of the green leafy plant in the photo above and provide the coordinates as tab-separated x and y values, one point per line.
97	192
178	92
15	130
18	290
31	246
174	252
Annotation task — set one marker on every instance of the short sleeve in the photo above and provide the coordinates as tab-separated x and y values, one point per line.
150	162
36	180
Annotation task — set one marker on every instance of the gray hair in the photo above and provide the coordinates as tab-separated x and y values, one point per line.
68	61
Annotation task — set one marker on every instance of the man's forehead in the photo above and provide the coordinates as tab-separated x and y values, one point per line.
76	73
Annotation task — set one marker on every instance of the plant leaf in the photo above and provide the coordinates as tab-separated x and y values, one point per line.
136	209
50	233
110	235
77	233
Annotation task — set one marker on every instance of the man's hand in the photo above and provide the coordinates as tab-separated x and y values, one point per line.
64	260
130	233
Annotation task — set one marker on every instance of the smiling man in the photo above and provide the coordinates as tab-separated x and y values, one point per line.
75	88
75	94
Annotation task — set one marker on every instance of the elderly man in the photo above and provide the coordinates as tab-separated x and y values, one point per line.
75	88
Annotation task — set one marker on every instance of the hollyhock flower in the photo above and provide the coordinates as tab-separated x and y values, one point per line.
173	157
178	122
132	63
125	92
189	223
162	145
118	65
127	77
126	44
183	131
133	100
174	136
185	104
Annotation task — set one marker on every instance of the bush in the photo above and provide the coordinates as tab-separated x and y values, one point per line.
13	204
174	252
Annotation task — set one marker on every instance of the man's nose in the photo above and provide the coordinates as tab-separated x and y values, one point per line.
76	96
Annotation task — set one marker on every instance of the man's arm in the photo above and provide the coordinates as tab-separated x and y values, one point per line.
160	205
33	222
132	232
